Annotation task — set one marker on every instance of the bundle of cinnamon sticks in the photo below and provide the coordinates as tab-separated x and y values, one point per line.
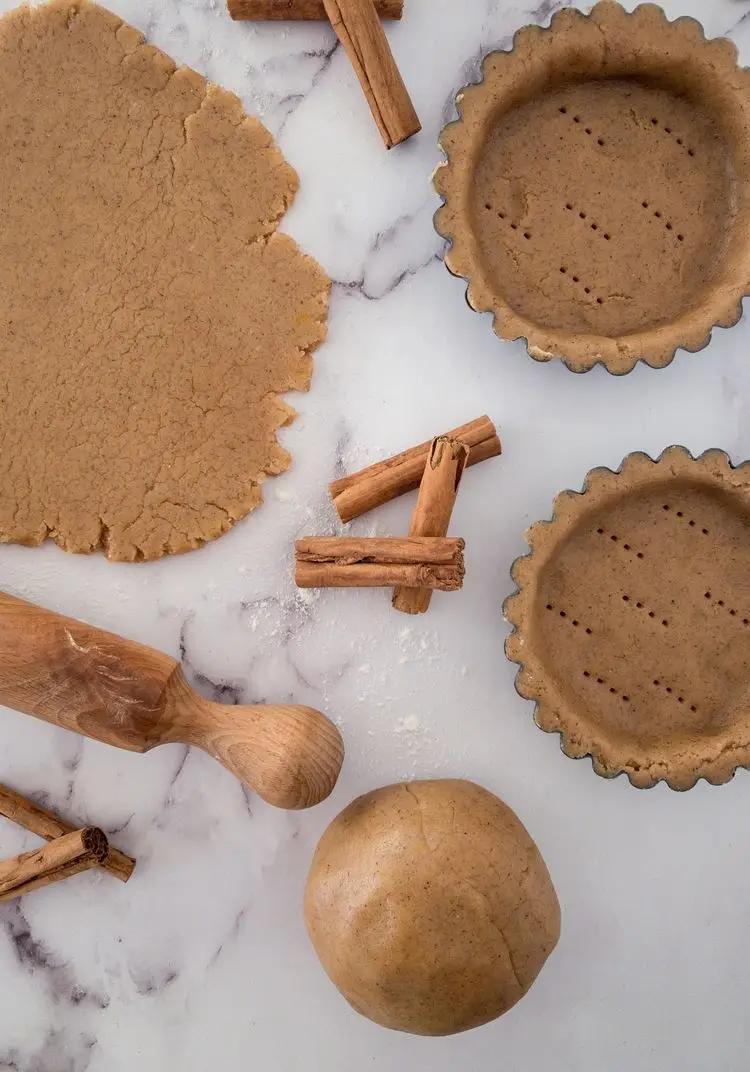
422	562
69	850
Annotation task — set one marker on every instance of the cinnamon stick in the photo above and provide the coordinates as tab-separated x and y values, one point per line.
359	30
49	826
379	562
432	514
377	484
262	10
61	858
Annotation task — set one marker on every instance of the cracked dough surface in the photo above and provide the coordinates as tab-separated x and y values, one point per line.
149	315
430	906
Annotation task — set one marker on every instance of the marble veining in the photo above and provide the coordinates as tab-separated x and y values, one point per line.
202	960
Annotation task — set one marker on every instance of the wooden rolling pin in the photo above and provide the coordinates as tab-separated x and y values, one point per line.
130	696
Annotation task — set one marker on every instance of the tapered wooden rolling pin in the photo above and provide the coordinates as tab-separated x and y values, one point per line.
130	696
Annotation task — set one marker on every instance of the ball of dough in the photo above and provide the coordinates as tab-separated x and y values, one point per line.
430	907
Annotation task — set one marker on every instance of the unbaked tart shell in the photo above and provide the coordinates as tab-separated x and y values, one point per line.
597	188
632	619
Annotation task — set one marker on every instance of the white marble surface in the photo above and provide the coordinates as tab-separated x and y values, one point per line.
202	961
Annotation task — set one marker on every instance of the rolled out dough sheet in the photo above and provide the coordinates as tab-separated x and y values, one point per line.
150	314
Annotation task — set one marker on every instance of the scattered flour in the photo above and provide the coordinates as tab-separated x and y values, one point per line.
410	724
307	596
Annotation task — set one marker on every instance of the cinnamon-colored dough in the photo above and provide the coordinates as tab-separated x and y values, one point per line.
430	906
149	315
597	187
582	259
632	620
